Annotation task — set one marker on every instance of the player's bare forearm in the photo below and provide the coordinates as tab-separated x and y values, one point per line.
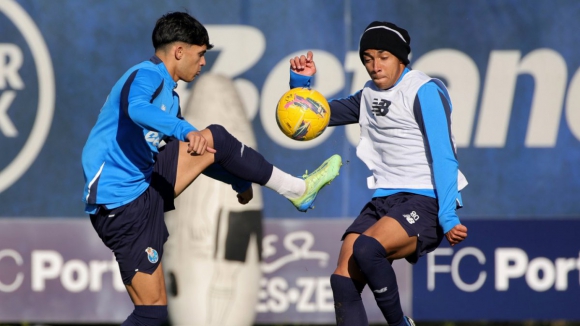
457	234
245	196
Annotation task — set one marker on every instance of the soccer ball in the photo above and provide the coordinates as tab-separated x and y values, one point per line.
302	113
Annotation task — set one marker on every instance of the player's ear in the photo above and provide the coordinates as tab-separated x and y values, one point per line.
178	52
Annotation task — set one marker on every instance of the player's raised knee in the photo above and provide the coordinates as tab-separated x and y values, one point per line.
217	133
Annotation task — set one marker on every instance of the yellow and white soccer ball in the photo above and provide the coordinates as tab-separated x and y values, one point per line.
302	114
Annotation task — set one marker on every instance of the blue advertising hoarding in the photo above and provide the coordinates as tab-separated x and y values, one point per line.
506	271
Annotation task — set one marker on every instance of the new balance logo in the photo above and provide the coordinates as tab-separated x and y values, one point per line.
381	107
412	217
383	290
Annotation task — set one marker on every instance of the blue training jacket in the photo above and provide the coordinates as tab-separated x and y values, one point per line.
118	157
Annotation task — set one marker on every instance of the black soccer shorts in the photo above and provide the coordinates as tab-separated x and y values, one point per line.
136	232
417	214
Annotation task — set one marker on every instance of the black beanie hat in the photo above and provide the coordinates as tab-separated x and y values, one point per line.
386	36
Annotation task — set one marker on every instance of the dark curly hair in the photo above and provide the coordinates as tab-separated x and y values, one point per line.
179	27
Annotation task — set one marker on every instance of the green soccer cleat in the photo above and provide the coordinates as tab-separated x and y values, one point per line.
316	181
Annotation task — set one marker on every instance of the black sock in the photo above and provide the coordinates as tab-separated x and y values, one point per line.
371	258
239	159
348	305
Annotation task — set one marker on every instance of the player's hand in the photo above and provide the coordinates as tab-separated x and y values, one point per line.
246	196
303	65
197	144
457	234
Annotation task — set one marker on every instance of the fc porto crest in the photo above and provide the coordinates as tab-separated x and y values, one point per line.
152	255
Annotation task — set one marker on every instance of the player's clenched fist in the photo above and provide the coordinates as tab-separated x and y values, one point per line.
457	234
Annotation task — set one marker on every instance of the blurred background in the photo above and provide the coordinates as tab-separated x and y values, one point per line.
513	71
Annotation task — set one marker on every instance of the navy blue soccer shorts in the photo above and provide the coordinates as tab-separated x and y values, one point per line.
136	232
417	214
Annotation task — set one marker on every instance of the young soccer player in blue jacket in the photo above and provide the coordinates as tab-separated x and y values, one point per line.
141	154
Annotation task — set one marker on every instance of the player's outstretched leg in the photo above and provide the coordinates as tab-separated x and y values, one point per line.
246	163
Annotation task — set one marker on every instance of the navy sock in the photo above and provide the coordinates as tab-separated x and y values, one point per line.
239	159
147	316
371	258
348	305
